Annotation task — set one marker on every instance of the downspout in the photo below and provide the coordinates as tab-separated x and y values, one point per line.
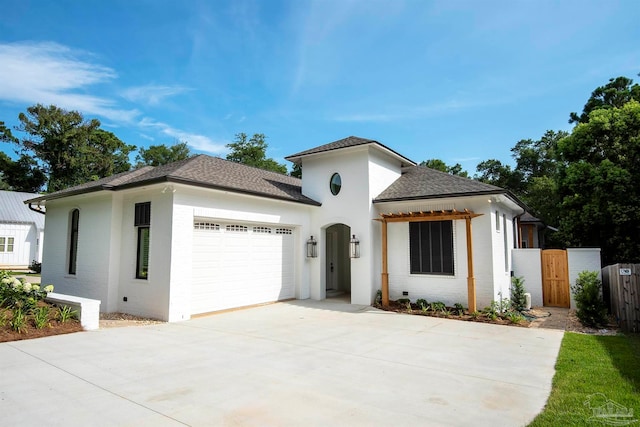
518	229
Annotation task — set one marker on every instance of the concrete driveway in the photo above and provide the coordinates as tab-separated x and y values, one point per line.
288	364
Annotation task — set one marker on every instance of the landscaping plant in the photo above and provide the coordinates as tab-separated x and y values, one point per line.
66	313
518	300
587	291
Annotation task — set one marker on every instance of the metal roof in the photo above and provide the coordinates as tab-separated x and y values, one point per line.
13	210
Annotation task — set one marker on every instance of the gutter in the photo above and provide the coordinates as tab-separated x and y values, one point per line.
40	211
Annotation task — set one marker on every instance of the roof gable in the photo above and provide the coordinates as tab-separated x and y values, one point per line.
201	171
420	182
348	142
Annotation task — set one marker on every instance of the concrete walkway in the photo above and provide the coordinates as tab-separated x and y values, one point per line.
288	364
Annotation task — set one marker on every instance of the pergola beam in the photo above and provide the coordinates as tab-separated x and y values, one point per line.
441	215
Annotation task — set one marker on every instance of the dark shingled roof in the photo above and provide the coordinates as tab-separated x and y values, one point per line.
419	182
351	141
202	171
527	217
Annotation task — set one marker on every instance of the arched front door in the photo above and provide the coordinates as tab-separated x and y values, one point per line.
338	263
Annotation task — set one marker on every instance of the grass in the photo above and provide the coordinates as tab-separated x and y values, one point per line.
23	273
589	364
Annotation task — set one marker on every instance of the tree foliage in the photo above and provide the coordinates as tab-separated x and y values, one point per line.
598	183
253	152
20	175
296	171
158	155
614	94
69	149
441	166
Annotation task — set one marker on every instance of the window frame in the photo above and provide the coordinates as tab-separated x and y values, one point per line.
433	236
74	227
142	262
142	223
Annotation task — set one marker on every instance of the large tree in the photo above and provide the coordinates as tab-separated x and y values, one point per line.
598	183
68	148
441	166
493	172
614	94
158	155
20	175
253	152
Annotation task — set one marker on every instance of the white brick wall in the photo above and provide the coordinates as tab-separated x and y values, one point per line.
527	264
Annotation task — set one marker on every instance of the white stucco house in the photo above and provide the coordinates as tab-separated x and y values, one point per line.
206	234
21	231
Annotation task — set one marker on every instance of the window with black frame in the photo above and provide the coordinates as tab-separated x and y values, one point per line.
431	247
142	222
73	240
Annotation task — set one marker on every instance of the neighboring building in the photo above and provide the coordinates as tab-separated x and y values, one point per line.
206	234
532	231
21	231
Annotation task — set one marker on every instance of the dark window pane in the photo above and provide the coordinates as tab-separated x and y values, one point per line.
73	240
142	261
431	247
142	214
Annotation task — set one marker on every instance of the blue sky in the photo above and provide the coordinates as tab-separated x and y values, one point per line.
462	81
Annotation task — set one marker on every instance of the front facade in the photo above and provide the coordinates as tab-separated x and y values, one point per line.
206	234
21	231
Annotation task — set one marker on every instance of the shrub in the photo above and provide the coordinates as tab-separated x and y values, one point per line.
66	313
19	321
17	293
518	300
515	317
422	303
41	317
587	291
404	301
378	301
437	306
459	308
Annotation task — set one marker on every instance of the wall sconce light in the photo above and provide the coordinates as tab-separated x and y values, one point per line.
354	247
312	248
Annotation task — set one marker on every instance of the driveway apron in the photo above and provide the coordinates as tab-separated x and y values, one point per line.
288	364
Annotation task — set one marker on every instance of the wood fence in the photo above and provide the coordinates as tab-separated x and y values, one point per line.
621	289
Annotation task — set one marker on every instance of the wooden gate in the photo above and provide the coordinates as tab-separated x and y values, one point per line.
555	278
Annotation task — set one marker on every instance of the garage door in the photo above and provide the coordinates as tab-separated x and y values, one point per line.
239	264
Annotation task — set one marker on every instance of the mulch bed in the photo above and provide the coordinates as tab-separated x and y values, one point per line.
56	328
402	308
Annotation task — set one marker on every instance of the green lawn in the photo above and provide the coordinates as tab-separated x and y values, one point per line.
587	365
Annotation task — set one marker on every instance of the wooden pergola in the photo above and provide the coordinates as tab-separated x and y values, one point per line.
443	215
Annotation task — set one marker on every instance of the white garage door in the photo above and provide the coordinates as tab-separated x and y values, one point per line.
237	264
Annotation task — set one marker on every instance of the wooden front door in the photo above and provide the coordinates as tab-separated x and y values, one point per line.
555	278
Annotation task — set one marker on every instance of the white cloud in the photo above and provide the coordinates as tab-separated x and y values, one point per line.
196	141
50	73
152	94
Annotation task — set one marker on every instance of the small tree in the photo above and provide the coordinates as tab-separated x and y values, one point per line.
587	292
518	300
